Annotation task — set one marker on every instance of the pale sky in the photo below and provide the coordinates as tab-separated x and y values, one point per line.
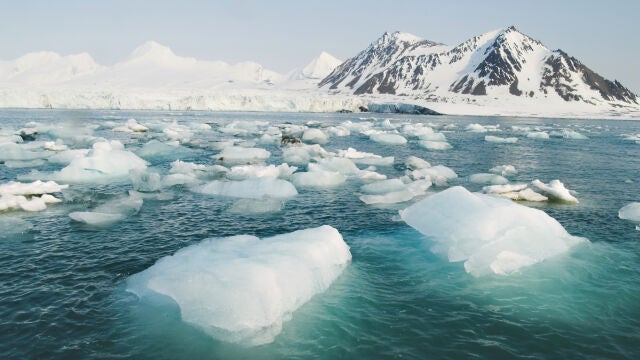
284	34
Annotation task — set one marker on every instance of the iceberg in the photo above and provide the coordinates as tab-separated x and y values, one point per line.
490	234
242	289
630	212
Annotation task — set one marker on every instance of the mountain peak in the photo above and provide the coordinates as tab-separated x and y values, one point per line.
321	66
151	49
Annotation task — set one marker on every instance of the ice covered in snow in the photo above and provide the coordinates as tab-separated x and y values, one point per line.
29	196
250	189
388	138
237	154
630	212
555	190
10	202
242	289
110	212
501	140
491	235
315	136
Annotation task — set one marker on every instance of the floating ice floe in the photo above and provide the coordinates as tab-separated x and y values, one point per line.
30	197
254	171
131	126
435	145
242	289
630	212
555	190
315	136
55	146
491	235
439	174
414	163
504	170
365	158
477	128
301	154
107	161
20	152
110	212
250	189
155	148
388	138
517	192
395	193
317	177
501	140
538	135
237	154
569	134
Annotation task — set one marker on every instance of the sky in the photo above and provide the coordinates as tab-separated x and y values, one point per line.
285	34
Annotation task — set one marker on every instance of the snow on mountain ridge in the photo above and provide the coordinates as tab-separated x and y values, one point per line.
499	63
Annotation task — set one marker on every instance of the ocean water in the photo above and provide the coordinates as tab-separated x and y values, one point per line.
63	284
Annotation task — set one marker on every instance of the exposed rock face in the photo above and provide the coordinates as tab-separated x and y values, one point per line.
496	63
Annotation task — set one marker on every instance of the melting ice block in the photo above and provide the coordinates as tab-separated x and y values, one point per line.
630	212
241	289
490	234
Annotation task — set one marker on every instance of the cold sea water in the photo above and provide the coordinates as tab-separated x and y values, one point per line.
63	284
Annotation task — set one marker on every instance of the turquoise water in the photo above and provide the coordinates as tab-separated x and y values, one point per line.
62	284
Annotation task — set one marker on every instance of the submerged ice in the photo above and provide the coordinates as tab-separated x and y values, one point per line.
242	289
490	234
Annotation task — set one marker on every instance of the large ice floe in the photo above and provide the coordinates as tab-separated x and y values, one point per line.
110	212
491	235
249	189
30	197
242	289
107	161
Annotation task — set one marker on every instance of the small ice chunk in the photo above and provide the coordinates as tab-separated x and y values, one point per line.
243	172
318	178
501	140
388	138
490	234
434	137
315	136
504	170
145	181
555	190
569	134
342	165
382	187
477	128
237	154
250	189
435	145
110	212
365	158
538	135
301	154
409	191
630	212
155	148
438	174
55	146
504	188
242	289
131	126
414	163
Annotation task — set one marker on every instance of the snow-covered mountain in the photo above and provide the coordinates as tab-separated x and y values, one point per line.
501	64
46	67
317	69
